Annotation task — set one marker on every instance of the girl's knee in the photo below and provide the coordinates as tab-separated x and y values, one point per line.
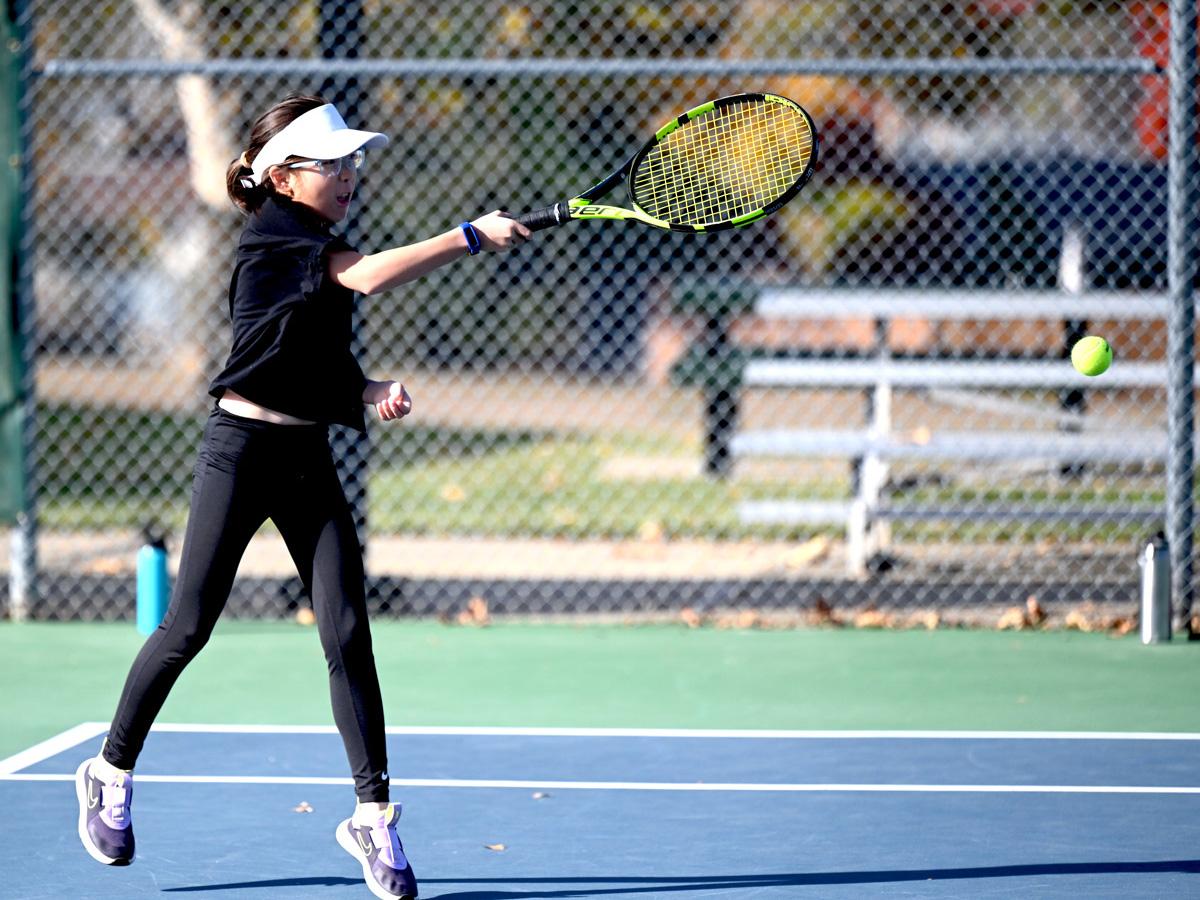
349	641
185	639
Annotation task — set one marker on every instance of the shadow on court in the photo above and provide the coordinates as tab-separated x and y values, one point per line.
309	881
667	884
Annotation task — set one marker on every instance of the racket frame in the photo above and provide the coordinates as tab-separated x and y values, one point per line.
584	206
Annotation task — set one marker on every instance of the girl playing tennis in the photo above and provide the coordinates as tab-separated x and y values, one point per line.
265	455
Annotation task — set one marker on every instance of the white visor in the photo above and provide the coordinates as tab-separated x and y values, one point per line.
317	134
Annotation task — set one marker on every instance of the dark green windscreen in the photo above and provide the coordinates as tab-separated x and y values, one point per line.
10	354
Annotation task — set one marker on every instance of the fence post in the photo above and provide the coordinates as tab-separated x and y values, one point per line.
1181	339
23	587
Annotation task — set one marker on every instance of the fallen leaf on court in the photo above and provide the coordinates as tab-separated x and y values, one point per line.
740	620
1013	619
1078	621
476	612
929	620
747	618
823	614
690	617
303	807
1121	626
497	847
1036	614
873	618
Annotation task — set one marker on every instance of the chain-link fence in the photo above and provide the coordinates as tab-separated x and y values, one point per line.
864	400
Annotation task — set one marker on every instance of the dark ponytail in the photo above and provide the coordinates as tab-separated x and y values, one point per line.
245	196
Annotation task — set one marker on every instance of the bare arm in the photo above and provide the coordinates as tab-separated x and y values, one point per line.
378	272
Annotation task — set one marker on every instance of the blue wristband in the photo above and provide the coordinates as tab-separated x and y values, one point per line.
472	236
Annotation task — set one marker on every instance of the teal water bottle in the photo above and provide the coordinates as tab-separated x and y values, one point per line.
153	582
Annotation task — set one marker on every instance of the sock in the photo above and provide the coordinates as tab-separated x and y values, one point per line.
369	813
107	772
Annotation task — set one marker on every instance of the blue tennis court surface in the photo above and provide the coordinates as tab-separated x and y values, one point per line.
499	814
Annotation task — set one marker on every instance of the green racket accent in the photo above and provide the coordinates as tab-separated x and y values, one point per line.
580	208
719	165
687	116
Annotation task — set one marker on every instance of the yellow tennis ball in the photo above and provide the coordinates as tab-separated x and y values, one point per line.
1091	355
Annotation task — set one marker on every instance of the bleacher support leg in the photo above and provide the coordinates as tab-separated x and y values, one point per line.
720	416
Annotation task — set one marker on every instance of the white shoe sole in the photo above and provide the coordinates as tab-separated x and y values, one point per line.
88	844
350	845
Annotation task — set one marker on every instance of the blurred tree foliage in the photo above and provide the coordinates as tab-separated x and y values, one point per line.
462	145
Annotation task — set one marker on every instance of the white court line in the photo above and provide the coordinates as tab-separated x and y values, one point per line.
503	731
9	768
651	785
60	743
88	730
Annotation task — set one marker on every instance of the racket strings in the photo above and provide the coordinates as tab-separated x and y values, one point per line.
728	163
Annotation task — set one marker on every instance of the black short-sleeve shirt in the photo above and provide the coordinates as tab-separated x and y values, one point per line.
291	321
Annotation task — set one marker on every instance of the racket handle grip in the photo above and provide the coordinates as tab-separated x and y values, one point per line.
546	217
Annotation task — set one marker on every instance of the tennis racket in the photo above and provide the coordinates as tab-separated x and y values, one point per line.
721	165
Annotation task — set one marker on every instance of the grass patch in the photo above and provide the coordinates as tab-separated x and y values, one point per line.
108	467
104	467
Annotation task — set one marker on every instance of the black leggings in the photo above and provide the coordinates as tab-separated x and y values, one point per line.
248	472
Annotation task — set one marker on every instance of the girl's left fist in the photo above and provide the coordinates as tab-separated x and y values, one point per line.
395	404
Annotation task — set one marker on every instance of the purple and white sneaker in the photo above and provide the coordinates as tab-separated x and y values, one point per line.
381	855
105	826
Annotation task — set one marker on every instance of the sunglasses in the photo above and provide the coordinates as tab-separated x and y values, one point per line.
331	168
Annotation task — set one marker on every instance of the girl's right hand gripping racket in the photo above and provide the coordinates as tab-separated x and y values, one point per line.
718	166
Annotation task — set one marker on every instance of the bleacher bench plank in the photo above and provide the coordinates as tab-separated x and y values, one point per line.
836	512
912	373
984	446
803	303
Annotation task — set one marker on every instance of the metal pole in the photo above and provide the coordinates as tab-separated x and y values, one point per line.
23	582
589	67
1181	319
